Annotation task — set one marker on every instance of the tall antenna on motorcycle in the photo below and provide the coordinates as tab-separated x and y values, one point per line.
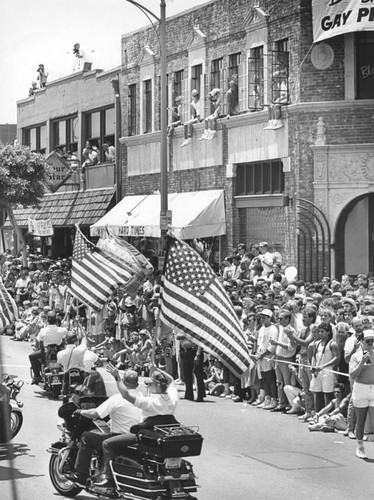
5	430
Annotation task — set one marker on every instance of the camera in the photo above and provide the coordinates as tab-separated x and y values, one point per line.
368	361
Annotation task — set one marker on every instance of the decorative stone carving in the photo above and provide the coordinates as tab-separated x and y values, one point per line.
320	200
345	168
338	199
321	137
320	167
322	56
368	167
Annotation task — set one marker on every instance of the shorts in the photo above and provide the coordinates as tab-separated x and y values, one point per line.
324	382
362	395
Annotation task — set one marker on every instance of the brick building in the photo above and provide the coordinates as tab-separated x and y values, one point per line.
302	181
304	187
62	117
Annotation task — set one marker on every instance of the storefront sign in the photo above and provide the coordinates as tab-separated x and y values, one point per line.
40	227
336	17
131	231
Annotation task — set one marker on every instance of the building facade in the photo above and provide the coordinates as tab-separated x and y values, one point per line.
293	150
304	184
60	119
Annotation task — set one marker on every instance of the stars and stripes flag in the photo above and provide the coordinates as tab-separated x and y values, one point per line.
8	308
194	301
95	274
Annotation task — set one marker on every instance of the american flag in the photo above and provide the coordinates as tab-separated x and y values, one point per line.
8	308
95	274
194	301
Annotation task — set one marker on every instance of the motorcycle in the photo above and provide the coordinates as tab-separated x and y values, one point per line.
12	388
153	469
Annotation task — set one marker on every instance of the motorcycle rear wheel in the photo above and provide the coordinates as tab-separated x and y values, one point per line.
65	487
56	390
16	421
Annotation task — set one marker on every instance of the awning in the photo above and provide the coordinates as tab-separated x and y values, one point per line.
67	208
196	214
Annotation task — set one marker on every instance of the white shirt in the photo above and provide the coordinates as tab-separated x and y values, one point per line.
73	356
89	359
51	334
158	404
122	414
264	335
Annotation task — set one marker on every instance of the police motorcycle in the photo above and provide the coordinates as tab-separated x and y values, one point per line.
153	469
52	374
10	389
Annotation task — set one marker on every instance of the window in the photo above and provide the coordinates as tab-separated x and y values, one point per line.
256	79
234	63
35	138
280	72
196	72
260	178
132	110
177	84
65	134
100	127
216	74
147	100
365	65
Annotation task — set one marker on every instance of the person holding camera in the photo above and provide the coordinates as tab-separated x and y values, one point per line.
361	370
42	76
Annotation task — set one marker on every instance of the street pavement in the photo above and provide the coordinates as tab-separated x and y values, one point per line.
247	453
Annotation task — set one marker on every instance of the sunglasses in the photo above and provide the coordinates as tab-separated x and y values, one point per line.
369	341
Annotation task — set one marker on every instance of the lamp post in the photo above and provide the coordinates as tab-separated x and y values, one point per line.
165	215
118	175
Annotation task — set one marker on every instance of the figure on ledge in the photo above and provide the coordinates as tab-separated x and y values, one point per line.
232	97
42	76
280	89
109	151
196	117
176	116
210	121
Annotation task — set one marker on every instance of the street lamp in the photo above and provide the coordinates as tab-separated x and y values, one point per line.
165	215
115	85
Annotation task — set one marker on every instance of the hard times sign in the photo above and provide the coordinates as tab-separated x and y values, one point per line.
336	17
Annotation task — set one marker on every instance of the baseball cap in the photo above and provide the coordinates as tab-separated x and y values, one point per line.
368	334
194	92
266	312
348	300
263	244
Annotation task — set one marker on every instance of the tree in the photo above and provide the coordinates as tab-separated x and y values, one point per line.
24	177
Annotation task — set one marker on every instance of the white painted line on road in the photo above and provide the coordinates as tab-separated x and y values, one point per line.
16	366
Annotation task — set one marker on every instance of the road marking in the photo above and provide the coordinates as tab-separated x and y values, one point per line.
16	366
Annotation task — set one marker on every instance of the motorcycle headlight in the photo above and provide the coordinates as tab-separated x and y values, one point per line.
61	425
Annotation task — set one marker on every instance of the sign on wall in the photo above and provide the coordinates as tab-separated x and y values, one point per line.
336	17
40	227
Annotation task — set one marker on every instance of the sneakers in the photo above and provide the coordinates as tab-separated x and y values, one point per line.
360	453
258	401
351	435
271	405
305	417
186	142
265	402
204	135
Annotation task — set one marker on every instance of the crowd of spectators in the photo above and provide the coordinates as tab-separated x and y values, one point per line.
309	343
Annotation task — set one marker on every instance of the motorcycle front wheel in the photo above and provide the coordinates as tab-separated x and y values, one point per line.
16	421
65	487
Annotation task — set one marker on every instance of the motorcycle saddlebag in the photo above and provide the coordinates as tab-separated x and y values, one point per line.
169	442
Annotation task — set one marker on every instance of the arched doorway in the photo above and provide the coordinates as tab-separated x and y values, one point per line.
354	237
